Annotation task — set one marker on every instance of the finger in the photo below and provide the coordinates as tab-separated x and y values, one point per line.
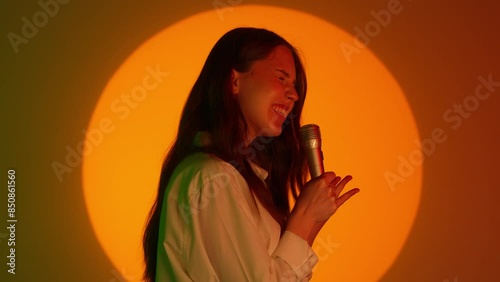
341	185
335	181
328	176
324	180
341	200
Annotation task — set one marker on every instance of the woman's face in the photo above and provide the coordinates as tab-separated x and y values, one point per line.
266	93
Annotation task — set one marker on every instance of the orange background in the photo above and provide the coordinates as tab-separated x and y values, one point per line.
436	51
358	121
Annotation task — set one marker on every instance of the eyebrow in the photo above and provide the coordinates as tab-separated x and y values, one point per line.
286	74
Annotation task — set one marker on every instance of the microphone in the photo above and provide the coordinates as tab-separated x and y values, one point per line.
311	139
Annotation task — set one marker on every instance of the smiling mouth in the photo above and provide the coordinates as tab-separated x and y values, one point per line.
280	109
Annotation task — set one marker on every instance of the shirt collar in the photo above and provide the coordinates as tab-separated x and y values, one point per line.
260	172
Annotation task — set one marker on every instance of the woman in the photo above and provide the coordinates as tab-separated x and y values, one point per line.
222	212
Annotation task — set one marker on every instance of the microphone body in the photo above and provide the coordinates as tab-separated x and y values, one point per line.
311	139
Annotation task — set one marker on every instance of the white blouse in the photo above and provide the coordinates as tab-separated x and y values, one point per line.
212	228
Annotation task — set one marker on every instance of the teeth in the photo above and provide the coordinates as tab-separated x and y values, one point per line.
280	110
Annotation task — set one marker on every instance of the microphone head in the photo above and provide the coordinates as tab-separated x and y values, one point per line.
309	132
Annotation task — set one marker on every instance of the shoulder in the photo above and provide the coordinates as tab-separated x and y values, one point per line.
203	184
200	168
204	163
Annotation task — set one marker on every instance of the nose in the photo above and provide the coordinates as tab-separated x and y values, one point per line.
291	94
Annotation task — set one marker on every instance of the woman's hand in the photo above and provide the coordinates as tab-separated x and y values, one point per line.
317	202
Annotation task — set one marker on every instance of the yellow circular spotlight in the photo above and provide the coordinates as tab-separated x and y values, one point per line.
366	125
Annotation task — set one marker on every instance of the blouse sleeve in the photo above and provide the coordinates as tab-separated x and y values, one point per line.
222	241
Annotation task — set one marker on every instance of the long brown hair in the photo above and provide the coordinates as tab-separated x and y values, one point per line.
211	107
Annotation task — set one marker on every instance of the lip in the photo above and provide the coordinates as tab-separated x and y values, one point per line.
281	110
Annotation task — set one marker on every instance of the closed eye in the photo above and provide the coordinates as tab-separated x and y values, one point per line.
284	75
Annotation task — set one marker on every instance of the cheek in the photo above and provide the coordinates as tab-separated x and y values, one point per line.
279	88
271	89
257	95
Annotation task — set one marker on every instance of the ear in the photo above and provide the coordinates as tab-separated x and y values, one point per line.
235	82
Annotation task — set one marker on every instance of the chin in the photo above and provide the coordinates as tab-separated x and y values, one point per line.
271	131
